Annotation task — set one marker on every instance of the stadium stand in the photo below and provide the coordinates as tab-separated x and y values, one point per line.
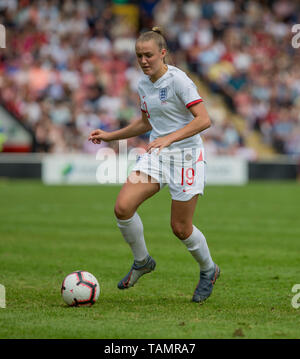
69	67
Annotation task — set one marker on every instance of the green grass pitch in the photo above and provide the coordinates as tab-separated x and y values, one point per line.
253	233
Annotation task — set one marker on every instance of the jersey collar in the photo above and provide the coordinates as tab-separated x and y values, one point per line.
158	82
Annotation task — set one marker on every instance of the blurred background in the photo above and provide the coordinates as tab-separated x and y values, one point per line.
70	67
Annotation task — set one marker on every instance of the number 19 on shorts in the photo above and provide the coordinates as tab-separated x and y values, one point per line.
187	176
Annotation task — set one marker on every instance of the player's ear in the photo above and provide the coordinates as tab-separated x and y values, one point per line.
163	53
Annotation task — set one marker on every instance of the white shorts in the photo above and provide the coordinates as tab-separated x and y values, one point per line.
182	170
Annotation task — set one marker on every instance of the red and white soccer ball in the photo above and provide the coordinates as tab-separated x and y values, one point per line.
80	288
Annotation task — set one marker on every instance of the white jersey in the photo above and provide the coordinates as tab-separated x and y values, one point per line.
166	103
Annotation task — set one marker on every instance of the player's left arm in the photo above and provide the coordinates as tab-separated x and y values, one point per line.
200	122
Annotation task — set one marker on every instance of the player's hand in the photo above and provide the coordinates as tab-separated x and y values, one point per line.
97	136
159	143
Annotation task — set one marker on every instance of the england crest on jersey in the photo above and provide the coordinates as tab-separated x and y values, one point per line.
163	94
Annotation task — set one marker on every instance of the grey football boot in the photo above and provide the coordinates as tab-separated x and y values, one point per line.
206	284
136	272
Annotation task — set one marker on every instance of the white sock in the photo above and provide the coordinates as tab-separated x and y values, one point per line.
133	232
197	246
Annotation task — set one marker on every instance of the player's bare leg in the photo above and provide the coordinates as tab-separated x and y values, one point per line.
182	213
138	187
182	226
134	192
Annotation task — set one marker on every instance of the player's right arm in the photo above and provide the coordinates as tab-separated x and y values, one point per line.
135	128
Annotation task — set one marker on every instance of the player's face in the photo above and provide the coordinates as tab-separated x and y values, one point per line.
150	58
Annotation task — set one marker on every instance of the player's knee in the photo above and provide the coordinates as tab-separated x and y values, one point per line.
123	210
180	229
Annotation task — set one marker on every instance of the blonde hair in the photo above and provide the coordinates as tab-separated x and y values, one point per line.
156	34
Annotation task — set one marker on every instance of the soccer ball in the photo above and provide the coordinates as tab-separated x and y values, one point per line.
80	288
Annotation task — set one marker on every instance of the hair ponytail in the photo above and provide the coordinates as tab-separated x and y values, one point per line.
158	30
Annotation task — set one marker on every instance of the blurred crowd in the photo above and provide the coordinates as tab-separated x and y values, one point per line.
70	67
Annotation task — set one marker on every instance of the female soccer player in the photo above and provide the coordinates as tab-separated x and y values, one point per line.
175	114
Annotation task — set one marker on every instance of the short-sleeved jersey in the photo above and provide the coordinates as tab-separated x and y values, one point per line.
166	103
